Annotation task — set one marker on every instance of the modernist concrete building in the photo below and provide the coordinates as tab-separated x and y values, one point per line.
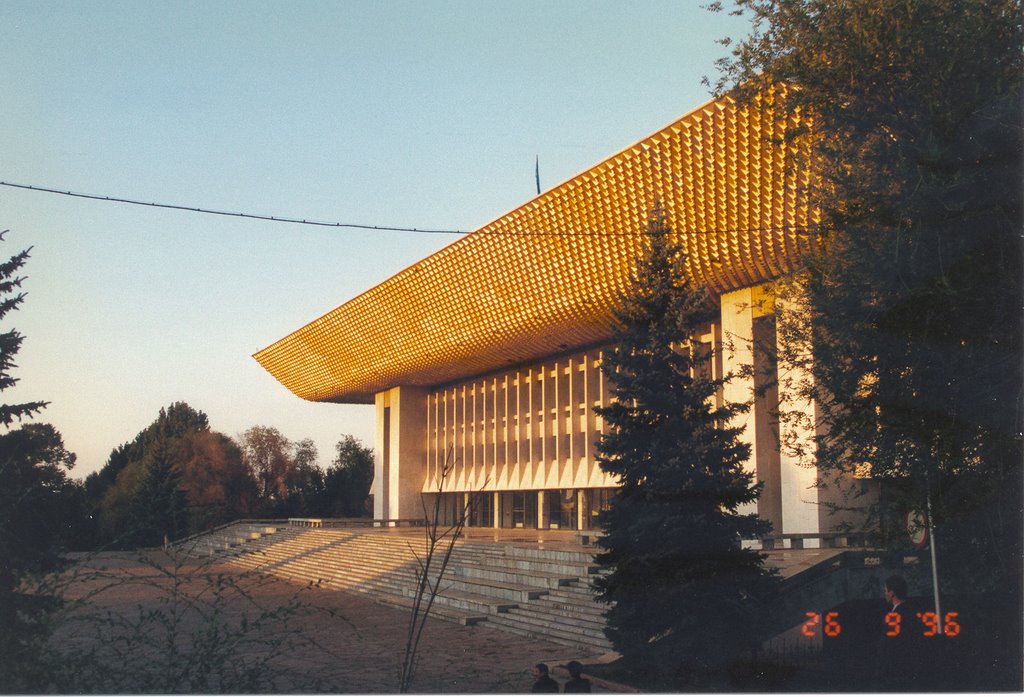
487	354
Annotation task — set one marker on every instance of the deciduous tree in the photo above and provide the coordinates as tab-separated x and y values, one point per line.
288	474
267	454
219	487
912	299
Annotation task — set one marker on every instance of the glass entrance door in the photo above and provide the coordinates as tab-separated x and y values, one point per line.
481	510
561	505
524	509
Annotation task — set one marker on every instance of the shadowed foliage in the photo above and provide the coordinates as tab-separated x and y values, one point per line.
686	593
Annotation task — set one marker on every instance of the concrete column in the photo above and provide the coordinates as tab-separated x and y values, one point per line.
542	510
738	353
508	504
400	453
496	513
797	430
381	457
766	422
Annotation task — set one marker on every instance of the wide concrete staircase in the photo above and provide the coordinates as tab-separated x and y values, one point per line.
227	538
517	587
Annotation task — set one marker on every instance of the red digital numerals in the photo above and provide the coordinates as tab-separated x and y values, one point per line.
949	625
813	620
831	628
893	620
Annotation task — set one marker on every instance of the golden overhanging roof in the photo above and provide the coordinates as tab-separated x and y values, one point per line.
545	277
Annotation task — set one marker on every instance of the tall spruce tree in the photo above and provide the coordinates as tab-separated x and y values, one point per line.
39	506
10	341
686	592
158	510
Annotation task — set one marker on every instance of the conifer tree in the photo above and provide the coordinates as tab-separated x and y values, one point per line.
159	508
349	477
121	492
38	508
686	593
10	341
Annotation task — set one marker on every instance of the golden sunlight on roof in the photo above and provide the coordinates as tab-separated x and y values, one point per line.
545	277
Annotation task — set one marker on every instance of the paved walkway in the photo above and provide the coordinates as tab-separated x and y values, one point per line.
325	641
349	644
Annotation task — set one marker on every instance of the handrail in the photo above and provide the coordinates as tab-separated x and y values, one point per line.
832	538
309	522
356	522
240	521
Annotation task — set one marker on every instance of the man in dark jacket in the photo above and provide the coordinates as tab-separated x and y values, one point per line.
577	682
901	645
544	682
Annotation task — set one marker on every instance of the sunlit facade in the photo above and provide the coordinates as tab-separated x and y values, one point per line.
485	356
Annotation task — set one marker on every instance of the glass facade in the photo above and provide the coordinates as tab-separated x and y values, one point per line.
524	509
561	505
481	510
553	509
595	501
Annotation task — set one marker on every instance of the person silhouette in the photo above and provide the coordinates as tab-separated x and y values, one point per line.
577	682
544	682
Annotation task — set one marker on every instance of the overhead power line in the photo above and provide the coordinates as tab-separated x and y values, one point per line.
253	216
799	229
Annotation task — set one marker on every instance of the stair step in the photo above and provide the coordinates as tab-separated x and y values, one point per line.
542	593
439	611
528	617
550	634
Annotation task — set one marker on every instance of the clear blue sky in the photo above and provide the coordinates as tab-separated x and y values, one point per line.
419	114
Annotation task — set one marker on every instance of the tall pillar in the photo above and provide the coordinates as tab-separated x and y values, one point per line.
797	431
379	488
766	421
748	352
737	355
542	510
399	453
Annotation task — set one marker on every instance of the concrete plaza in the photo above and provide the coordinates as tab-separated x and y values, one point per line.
339	642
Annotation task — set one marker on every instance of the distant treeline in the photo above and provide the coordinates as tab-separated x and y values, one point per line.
178	477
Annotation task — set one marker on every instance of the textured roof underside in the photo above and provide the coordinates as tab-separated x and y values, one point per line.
545	277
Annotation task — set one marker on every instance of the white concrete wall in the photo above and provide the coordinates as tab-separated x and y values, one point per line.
377	488
529	428
737	354
797	429
397	484
534	428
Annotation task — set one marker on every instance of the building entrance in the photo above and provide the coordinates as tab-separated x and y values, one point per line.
561	508
481	510
555	509
524	509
